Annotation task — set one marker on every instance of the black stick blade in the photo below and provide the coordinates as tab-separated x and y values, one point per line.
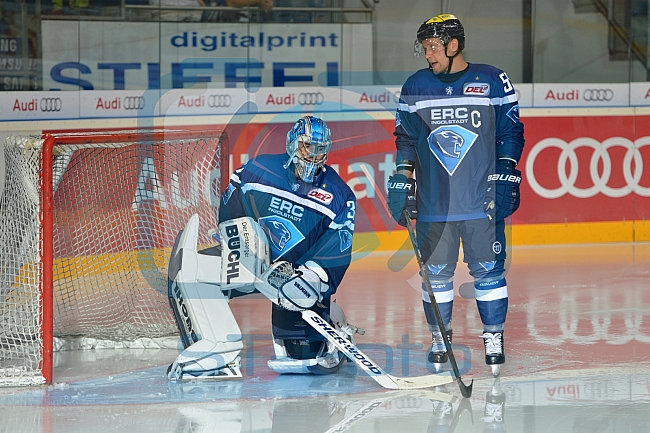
465	390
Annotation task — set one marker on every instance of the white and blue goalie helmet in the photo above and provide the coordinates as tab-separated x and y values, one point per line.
308	143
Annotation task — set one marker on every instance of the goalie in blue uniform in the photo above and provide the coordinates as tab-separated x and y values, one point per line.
285	226
458	130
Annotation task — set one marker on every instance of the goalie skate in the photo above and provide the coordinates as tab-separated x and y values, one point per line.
231	371
328	359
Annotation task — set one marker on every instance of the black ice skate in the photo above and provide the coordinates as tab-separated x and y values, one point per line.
494	353
438	352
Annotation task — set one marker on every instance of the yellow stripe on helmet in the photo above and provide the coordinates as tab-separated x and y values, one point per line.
440	18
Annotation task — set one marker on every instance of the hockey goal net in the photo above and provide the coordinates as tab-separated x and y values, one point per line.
88	222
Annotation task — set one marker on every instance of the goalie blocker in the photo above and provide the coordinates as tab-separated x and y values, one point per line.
202	282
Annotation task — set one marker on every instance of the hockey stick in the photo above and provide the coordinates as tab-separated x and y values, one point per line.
359	415
462	407
373	404
351	351
465	390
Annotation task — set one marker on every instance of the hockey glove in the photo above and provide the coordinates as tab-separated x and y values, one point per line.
294	289
401	196
502	199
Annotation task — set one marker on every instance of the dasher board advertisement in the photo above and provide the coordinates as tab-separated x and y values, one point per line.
91	55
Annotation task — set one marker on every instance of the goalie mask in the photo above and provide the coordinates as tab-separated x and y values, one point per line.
308	143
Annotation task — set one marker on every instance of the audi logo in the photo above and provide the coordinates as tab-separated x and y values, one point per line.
219	101
612	321
314	98
51	104
598	95
600	157
133	103
408	403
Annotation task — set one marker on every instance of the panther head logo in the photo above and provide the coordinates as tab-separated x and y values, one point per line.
346	239
449	142
278	233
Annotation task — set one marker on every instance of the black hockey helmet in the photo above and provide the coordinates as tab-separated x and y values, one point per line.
446	27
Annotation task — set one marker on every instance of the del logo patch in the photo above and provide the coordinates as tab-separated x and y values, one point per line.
476	89
320	195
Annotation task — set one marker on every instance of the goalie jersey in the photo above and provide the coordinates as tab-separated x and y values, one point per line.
455	132
304	221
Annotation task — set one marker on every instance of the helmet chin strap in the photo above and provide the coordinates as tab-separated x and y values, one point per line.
451	60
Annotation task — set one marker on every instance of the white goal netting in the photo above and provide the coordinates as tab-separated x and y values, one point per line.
116	202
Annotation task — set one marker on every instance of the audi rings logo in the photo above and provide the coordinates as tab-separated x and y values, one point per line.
133	102
313	98
598	95
600	167
612	320
408	403
51	104
219	101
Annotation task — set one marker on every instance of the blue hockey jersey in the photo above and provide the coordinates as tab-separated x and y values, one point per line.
304	221
455	132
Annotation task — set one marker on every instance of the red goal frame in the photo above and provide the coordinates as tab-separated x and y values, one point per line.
50	141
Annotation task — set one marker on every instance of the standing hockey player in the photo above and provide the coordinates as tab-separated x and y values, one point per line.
458	129
286	223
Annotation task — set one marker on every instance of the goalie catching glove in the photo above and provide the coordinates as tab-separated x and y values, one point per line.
502	199
294	289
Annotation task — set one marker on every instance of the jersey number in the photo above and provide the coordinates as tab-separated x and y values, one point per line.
508	85
351	210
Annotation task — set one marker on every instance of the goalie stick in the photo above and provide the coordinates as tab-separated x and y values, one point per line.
375	403
271	285
353	353
465	390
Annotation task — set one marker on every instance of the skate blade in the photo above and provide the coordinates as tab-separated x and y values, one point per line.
190	378
230	372
438	367
496	370
210	377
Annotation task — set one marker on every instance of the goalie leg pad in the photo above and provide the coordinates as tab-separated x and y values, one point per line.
209	332
245	251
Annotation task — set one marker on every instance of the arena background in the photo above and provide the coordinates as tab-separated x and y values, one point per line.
584	104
